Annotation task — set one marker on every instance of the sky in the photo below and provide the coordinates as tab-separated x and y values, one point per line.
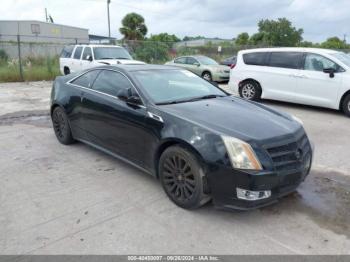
320	19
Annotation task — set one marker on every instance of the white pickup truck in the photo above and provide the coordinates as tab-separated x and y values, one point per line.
75	58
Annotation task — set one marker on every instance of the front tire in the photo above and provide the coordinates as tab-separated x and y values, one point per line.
207	76
346	105
182	178
250	90
61	126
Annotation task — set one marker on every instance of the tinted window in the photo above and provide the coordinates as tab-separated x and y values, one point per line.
191	61
67	51
110	82
286	59
316	62
181	60
77	52
87	79
87	52
257	58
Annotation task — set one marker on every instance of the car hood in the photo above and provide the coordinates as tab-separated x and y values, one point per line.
235	117
119	61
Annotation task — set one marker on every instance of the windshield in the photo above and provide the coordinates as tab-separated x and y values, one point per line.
206	60
111	53
344	58
166	86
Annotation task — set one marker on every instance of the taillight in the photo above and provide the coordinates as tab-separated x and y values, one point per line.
232	66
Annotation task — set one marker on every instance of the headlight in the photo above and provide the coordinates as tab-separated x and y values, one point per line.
241	154
220	71
298	120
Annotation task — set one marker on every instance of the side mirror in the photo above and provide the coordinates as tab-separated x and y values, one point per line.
124	94
89	58
329	71
196	64
127	96
134	100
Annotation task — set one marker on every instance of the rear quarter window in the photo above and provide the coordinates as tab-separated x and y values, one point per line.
67	52
256	58
87	79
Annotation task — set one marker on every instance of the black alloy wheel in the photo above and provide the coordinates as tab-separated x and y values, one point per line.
61	126
182	178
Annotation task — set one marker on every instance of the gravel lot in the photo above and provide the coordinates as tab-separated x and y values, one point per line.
57	199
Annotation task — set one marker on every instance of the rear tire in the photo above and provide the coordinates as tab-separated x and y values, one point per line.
66	71
346	105
250	90
182	178
61	126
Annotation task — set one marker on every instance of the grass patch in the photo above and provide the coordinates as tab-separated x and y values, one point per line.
34	69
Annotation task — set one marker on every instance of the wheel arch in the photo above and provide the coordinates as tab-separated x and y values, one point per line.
342	99
247	80
207	71
175	142
53	106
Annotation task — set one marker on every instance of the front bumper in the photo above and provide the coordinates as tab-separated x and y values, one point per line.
221	77
224	181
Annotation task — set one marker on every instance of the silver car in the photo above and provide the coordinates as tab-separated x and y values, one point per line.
203	66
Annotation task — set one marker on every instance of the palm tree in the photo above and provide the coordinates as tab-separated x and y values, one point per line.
133	27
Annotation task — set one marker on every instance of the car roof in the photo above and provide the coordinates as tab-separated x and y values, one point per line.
290	49
93	45
139	67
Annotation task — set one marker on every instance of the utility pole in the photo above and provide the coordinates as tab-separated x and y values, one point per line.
344	38
46	18
109	23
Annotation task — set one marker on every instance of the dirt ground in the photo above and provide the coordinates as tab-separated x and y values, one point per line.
57	199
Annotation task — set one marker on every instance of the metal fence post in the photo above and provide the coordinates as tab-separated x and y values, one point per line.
20	58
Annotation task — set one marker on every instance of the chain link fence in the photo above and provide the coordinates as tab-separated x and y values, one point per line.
23	58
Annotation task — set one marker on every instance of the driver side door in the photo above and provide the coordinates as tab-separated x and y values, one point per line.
314	87
110	122
193	65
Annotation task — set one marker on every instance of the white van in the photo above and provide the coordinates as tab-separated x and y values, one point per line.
311	76
75	58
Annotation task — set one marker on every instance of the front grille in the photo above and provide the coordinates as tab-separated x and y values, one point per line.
291	156
227	71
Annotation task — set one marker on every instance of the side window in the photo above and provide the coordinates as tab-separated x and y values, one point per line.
257	58
87	79
77	52
191	61
87	52
110	82
181	60
67	51
290	60
316	62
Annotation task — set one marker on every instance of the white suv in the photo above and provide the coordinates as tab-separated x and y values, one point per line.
311	76
75	58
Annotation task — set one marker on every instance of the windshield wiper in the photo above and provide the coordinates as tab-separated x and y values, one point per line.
205	97
189	99
121	58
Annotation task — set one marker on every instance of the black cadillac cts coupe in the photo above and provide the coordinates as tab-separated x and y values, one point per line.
198	140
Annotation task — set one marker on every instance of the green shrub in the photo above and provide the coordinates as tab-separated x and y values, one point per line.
3	55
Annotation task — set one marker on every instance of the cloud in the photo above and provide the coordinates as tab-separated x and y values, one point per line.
320	19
